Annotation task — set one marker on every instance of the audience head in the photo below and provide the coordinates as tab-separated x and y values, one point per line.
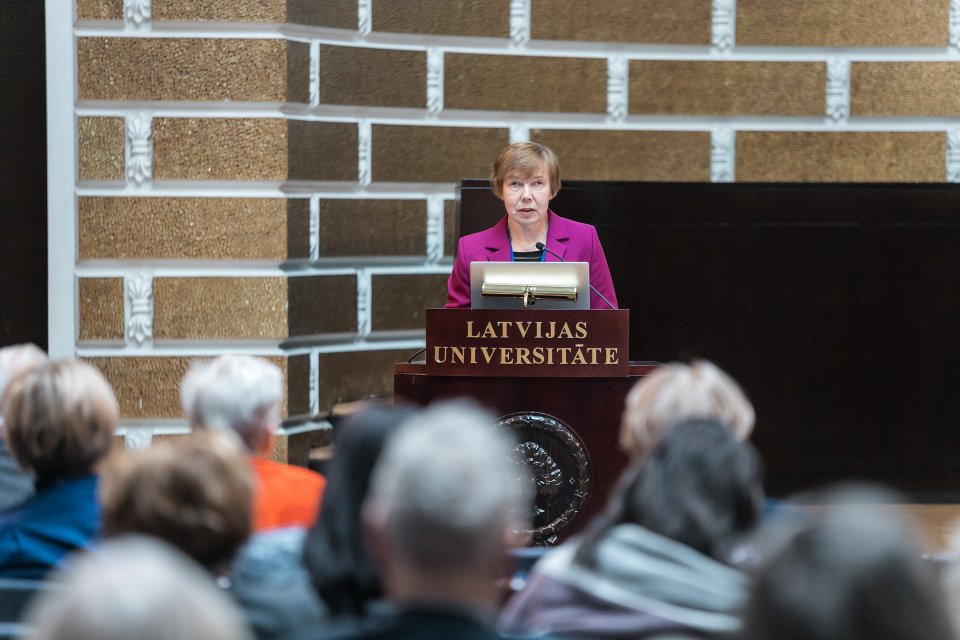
445	495
60	419
852	570
194	492
525	159
235	392
16	359
701	487
675	392
334	552
134	587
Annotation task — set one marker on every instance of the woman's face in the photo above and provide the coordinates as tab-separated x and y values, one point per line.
526	197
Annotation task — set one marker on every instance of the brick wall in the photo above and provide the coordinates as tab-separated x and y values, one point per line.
278	176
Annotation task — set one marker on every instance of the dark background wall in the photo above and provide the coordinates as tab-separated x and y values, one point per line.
23	169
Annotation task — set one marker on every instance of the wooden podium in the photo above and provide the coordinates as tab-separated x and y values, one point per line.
557	379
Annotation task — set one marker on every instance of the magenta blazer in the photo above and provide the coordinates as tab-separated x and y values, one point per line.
571	240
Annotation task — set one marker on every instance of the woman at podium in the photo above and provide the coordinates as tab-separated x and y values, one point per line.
526	176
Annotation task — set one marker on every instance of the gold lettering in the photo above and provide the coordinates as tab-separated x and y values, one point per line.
488	331
523	327
538	325
538	355
550	355
553	330
488	353
504	326
523	355
613	355
458	353
473	355
564	352
436	355
470	333
565	331
506	355
593	351
581	330
578	357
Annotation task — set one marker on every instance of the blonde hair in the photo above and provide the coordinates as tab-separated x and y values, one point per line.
523	159
195	492
678	391
60	419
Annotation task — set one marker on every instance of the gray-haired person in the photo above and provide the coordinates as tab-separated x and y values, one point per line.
443	503
16	484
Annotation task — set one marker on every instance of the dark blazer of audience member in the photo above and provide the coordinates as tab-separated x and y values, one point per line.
60	420
849	571
16	484
657	563
194	492
134	587
678	391
335	552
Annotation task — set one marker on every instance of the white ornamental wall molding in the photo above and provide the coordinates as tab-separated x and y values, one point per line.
435	228
314	228
139	129
519	132
953	155
364	145
137	438
434	80
314	73
364	297
722	154
838	89
520	22
314	383
137	12
617	87
139	307
724	24
365	16
955	25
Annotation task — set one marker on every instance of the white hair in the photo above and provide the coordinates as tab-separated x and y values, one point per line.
237	392
446	490
17	359
134	586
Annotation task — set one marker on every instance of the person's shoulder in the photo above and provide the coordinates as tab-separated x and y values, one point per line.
288	472
571	226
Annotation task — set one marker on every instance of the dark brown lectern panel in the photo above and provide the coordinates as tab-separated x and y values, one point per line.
835	305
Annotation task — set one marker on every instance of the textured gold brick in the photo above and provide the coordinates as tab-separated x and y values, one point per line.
768	156
193	228
219	148
323	150
905	89
99	9
489	18
323	305
650	21
372	227
149	387
727	88
381	77
843	23
253	149
100	144
328	13
239	308
357	375
201	69
399	301
629	155
434	154
267	308
101	308
524	83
